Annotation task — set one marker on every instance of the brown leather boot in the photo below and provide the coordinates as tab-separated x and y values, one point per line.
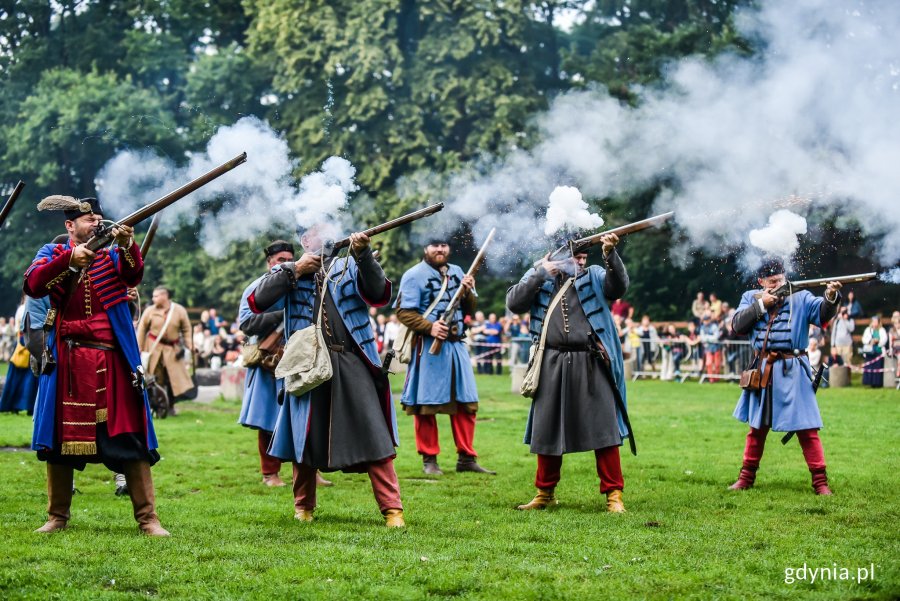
430	465
143	498
273	480
467	463
542	500
820	482
614	502
60	480
746	478
393	518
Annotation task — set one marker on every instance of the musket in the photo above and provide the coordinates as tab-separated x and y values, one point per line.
448	314
103	234
331	247
10	202
817	380
582	244
151	233
789	287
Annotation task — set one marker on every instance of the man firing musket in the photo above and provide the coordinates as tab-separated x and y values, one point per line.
92	408
788	287
347	422
440	382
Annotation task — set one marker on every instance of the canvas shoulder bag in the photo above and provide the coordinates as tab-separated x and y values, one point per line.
532	378
306	362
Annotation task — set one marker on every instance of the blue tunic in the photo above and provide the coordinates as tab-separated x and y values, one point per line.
290	434
429	378
794	404
259	409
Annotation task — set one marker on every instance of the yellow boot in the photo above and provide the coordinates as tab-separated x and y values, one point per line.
393	518
614	502
304	515
542	500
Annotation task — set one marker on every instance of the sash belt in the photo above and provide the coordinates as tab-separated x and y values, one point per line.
100	346
771	358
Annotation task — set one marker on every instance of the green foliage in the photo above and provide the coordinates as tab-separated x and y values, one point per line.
684	537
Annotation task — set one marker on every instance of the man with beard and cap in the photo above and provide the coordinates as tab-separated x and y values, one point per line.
579	404
441	383
785	400
347	423
164	333
91	405
259	409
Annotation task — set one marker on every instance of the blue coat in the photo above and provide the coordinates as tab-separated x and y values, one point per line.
289	437
589	286
794	404
123	328
259	408
429	376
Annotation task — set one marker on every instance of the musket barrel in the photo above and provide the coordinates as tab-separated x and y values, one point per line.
624	230
844	279
151	234
394	223
8	206
172	197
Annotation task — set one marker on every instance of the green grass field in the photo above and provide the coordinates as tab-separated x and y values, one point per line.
684	536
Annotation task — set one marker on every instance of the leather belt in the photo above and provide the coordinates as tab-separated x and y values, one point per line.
100	346
773	356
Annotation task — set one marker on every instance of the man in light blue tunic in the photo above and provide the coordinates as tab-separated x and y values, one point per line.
444	382
784	400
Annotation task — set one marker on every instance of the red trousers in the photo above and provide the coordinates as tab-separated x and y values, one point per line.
463	425
713	364
268	464
809	442
609	468
381	473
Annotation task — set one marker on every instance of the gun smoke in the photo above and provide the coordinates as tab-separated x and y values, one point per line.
568	211
814	114
258	197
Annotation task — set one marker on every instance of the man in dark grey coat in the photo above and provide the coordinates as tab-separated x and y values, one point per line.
579	404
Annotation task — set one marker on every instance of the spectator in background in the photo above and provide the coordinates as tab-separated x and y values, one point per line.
693	347
492	336
199	344
699	307
391	329
853	306
621	308
874	341
715	306
817	333
476	336
731	352
712	354
668	346
814	354
380	326
214	322
632	344
727	312
830	361
7	338
842	334
217	352
894	335
649	342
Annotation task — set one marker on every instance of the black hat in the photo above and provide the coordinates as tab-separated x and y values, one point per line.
437	240
769	267
73	208
279	246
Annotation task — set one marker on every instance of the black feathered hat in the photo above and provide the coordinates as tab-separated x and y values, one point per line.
73	208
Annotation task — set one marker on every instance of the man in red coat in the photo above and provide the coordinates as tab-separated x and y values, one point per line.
91	406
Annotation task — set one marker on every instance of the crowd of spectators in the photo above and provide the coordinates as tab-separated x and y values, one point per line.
7	337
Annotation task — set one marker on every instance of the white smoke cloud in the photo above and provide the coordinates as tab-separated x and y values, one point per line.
567	210
891	277
811	121
260	196
780	236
